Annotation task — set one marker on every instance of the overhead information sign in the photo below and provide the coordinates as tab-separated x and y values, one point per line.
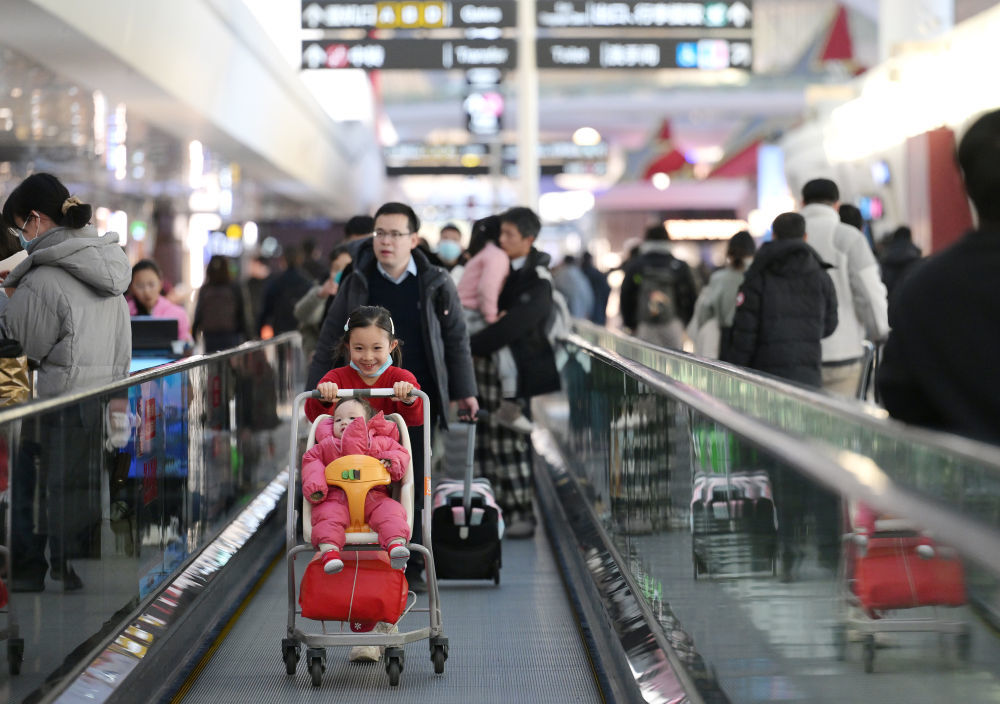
645	53
412	158
421	54
407	15
556	14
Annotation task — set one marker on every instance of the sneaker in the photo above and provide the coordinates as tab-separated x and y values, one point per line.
372	653
332	564
399	554
510	416
365	653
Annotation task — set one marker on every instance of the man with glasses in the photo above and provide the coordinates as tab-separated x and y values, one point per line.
391	271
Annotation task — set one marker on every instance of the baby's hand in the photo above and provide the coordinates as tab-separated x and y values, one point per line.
328	390
401	391
316	495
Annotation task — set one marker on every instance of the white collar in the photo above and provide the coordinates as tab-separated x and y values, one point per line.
411	268
517	264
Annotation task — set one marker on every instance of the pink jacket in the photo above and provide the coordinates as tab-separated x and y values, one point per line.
482	279
379	438
165	309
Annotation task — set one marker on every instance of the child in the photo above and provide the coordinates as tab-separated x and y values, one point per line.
478	290
784	307
354	431
370	343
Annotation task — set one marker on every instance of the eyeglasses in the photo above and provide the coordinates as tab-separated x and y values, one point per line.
18	232
393	235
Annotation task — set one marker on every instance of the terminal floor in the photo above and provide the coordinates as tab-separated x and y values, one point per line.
516	642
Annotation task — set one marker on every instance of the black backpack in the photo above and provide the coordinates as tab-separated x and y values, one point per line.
657	300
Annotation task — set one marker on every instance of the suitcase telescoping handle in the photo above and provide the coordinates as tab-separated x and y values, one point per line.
470	456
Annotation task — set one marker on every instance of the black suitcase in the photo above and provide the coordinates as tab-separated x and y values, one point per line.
466	525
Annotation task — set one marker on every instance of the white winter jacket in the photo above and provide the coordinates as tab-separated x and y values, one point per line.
68	311
862	303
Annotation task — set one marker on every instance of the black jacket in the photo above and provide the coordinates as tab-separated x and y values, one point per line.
280	297
896	260
939	365
785	306
526	300
656	255
443	319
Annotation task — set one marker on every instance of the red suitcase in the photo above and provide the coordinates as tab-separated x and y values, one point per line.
891	574
365	592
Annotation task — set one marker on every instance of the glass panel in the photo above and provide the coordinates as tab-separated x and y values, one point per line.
769	586
95	520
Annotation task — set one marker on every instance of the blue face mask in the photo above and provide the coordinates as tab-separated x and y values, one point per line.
378	372
336	277
449	250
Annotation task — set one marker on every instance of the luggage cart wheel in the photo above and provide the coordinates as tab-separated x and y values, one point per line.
394	664
290	654
316	658
15	655
869	653
439	653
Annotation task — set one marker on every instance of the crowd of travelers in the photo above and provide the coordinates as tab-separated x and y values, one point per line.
468	324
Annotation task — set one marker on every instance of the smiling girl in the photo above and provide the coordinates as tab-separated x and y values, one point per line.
370	343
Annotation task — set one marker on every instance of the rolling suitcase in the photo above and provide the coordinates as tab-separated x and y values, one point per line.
466	524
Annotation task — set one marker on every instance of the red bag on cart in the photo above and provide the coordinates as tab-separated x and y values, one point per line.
891	574
365	592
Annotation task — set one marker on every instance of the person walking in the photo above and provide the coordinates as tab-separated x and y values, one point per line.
221	314
711	325
658	292
525	304
390	271
785	306
862	304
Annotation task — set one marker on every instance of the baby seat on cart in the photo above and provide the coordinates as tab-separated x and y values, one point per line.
888	565
367	590
366	572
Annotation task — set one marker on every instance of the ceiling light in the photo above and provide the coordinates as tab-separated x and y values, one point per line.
661	181
586	137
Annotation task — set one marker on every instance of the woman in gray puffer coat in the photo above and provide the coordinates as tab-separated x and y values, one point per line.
67	310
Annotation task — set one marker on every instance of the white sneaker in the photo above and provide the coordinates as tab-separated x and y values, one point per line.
399	554
366	653
372	653
510	416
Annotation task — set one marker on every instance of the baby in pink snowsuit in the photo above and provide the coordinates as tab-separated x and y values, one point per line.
354	431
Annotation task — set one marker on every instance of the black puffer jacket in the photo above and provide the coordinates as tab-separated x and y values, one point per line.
526	299
447	338
896	260
785	306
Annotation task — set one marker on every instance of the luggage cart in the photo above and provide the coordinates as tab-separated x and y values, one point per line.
887	567
317	642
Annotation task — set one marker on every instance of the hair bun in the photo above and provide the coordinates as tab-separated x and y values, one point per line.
70	202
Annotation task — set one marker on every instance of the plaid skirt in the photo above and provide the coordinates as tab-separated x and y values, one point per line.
502	455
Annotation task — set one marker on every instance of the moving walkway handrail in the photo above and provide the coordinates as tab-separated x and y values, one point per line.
30	408
848	473
869	416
